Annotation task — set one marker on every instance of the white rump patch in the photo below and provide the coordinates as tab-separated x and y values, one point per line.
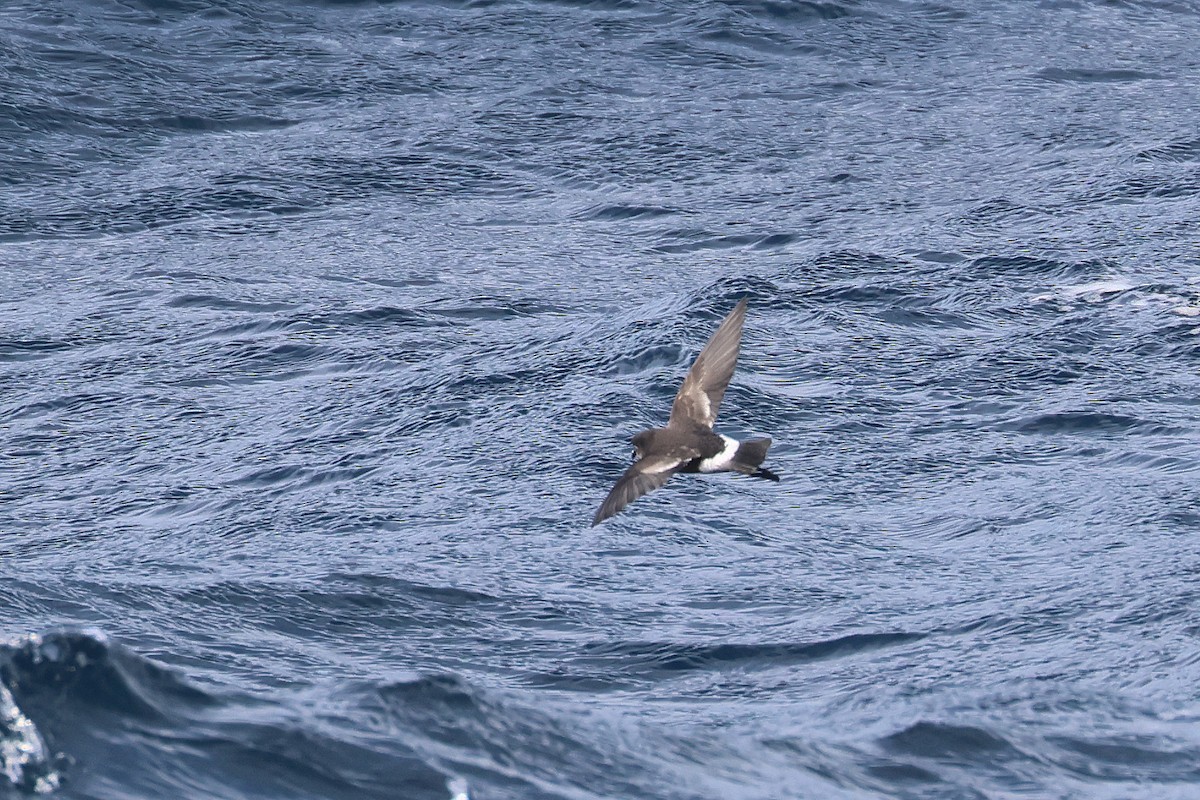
721	461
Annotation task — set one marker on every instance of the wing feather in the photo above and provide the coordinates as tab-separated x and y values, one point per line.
643	477
700	396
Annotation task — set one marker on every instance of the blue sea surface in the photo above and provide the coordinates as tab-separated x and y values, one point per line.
324	327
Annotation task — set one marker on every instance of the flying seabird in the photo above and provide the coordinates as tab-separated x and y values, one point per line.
688	443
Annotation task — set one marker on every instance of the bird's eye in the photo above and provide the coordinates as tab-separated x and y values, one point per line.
635	454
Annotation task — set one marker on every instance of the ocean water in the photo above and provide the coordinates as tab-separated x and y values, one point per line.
324	328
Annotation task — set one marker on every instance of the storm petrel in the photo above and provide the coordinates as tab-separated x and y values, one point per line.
689	443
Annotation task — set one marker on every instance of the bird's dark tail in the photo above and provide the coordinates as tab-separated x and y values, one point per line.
749	457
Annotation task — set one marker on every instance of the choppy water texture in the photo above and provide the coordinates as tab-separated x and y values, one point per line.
323	329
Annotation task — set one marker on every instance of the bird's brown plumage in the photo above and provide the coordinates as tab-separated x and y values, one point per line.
688	434
700	396
646	475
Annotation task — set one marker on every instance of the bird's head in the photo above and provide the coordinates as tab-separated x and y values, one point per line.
642	443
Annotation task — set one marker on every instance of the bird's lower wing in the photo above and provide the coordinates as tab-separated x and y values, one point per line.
643	477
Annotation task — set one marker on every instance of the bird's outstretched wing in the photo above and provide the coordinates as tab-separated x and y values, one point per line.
703	389
644	476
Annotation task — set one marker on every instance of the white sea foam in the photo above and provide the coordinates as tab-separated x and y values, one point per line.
24	759
1097	291
1185	303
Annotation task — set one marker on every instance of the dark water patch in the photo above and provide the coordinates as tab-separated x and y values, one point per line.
862	294
387	585
378	317
565	678
393	283
68	404
362	606
1157	462
767	42
942	741
152	210
31	349
1181	519
191	276
690	54
39	117
251	329
1129	758
628	667
1082	422
434	416
99	702
1172	153
409	174
898	776
247	361
837	265
483	309
188	123
85	669
927	318
701	240
297	610
1186	344
285	355
1084	75
272	193
600	5
265	759
133	296
271	476
1000	212
1164	187
1040	267
518	749
938	257
664	659
844	177
1156	611
776	241
622	212
715	300
425	691
216	303
803	11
